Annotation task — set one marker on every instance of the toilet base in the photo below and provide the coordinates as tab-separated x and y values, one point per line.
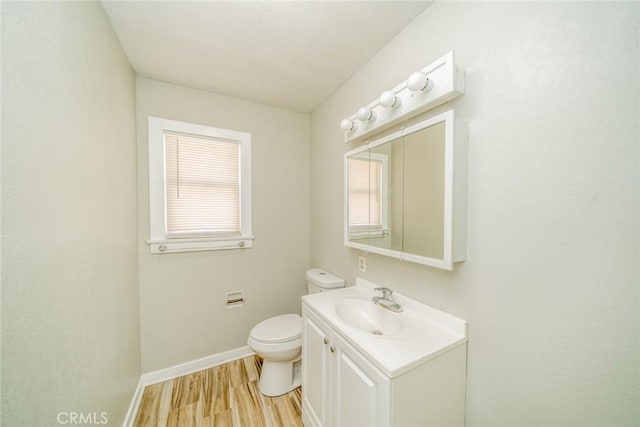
278	378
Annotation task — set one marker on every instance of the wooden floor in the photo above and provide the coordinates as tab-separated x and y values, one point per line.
225	395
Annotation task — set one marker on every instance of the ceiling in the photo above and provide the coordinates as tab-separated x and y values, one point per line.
287	54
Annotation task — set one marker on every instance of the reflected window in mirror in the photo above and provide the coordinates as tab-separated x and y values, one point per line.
368	183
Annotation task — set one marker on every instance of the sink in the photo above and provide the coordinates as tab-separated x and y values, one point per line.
368	317
394	342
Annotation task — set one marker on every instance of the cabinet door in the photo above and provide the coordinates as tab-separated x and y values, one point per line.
316	368
361	393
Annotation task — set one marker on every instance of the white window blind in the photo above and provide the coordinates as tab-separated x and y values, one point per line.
365	204
202	186
199	187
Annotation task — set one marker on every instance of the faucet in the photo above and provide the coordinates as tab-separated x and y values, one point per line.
386	301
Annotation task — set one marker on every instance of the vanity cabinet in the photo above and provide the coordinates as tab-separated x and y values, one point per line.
341	387
316	371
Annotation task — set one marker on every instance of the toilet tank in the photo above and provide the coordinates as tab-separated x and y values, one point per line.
319	280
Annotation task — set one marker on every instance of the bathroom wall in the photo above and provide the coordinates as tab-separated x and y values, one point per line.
183	314
70	316
550	286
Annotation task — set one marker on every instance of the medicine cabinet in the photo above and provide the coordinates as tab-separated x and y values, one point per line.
406	193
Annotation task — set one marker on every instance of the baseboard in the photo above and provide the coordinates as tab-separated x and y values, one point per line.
195	365
134	405
178	371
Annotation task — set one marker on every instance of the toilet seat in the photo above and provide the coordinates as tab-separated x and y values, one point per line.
278	329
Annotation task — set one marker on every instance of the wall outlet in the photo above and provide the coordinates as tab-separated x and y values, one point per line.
362	263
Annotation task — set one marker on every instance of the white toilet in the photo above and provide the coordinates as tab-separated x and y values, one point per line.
278	340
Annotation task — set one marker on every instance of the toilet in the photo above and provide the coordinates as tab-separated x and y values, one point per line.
278	340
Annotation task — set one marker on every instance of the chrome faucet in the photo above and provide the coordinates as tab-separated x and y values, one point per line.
386	301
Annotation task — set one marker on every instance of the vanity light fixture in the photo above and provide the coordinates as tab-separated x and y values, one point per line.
419	82
425	89
388	99
347	125
364	114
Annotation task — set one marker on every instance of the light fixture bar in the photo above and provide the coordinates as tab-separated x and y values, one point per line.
425	89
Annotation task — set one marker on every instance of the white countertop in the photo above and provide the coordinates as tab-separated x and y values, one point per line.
427	331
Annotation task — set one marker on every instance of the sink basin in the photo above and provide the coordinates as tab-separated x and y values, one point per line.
369	317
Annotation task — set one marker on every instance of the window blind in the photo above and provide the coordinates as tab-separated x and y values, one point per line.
202	186
365	193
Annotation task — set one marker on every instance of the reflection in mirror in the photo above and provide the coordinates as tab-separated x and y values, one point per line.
368	203
386	198
424	192
359	182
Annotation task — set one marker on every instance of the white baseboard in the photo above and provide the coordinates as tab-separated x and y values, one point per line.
195	365
178	371
135	404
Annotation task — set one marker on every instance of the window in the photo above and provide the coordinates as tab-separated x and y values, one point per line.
199	187
368	187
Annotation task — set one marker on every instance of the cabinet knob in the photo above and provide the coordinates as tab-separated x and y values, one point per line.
333	349
326	341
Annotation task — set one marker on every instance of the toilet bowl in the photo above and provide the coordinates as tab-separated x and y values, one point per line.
278	340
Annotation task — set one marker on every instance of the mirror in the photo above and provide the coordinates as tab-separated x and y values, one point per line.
374	196
424	192
400	192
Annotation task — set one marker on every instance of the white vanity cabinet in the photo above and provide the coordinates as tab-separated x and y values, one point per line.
316	371
341	387
364	365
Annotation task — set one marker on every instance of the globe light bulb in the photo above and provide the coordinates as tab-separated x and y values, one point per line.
364	114
347	125
389	99
419	82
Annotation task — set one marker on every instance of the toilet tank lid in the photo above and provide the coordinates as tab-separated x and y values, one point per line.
323	279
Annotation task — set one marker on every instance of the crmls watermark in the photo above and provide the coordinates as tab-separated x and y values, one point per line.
83	418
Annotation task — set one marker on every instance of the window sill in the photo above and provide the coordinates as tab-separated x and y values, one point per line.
368	233
199	244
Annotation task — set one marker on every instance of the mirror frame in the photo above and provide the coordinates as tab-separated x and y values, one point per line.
455	192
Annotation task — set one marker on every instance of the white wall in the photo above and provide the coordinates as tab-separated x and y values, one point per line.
550	286
70	317
183	315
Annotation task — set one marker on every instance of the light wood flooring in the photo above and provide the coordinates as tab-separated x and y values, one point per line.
225	395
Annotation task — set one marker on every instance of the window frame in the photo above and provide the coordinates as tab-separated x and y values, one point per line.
158	241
